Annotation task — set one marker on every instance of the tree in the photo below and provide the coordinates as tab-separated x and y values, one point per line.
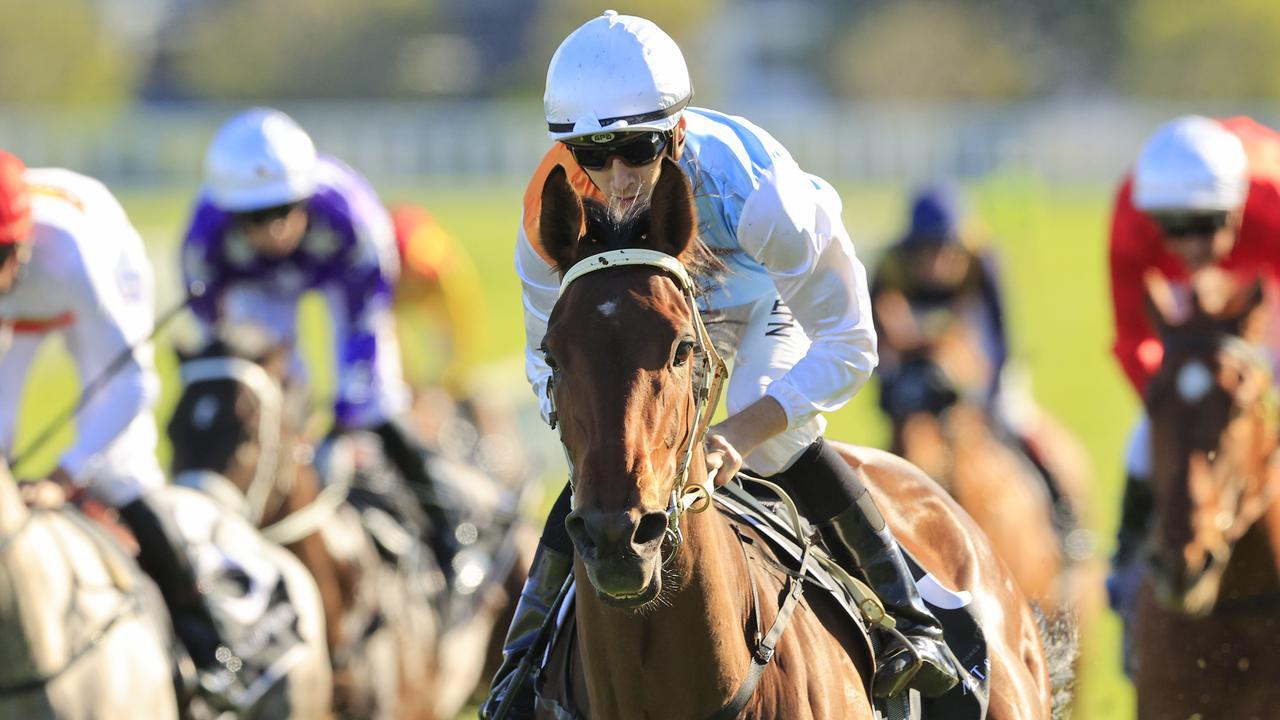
54	52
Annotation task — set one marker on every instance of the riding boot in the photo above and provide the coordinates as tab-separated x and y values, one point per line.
547	575
1135	521
860	541
161	558
408	456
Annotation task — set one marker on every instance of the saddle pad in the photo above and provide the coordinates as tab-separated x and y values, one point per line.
246	595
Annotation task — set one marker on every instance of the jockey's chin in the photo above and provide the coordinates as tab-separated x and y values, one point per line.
11	266
281	237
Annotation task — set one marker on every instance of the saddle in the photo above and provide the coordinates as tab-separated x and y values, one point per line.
765	523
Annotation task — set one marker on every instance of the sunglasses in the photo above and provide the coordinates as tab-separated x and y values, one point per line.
267	215
7	250
634	149
1178	225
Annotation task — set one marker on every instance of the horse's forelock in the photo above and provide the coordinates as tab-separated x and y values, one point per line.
615	228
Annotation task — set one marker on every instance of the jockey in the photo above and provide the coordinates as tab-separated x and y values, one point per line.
1203	193
933	274
792	307
439	289
275	220
72	264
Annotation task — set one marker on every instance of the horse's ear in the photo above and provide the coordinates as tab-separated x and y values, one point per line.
560	223
1162	306
671	211
1247	311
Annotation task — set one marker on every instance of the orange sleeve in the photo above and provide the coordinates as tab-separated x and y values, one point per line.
1135	246
557	155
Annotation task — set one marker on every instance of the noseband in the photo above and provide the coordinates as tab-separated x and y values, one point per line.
706	390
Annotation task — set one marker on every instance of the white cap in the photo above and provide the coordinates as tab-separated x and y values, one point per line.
1191	164
259	159
615	73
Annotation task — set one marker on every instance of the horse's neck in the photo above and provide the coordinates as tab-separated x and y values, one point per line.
691	649
31	599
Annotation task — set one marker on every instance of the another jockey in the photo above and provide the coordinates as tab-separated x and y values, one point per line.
929	279
71	263
792	307
1203	193
439	292
275	220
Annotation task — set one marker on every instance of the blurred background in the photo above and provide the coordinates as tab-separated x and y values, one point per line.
1036	106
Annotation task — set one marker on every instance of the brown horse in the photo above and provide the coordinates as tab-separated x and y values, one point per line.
233	437
937	426
1208	614
664	634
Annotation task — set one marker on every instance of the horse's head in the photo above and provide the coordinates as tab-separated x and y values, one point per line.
1213	431
625	345
230	422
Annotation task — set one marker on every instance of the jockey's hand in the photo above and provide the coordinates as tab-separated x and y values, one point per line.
52	491
723	459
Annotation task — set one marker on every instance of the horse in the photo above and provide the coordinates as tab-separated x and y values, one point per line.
87	634
83	633
393	655
939	422
1208	610
667	633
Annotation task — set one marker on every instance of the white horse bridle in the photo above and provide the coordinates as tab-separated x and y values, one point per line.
695	497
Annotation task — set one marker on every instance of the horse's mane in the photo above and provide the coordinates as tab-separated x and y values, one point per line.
611	228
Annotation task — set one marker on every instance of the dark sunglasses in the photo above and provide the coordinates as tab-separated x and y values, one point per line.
1180	225
634	149
7	250
266	215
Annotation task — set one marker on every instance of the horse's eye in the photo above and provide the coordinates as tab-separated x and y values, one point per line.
683	351
551	361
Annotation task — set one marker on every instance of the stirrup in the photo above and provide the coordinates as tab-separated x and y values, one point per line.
904	667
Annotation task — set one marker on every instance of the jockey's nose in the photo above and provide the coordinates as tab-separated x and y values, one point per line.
598	533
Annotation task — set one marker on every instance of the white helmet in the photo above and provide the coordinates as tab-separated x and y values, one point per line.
259	159
615	73
1191	164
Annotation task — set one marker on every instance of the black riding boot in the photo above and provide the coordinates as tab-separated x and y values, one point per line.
861	542
169	567
1135	521
551	567
408	456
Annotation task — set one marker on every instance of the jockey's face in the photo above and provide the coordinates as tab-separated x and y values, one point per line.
1199	240
275	232
12	257
623	185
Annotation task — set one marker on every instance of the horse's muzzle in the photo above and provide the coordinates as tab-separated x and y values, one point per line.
621	550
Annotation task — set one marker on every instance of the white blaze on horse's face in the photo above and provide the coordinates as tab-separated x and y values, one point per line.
1194	381
607	309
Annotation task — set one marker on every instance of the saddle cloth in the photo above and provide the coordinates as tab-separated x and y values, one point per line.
246	595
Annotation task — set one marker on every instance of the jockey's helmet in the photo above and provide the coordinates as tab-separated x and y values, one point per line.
15	200
615	74
937	215
1191	164
259	159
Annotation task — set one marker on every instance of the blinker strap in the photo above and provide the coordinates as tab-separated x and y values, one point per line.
628	256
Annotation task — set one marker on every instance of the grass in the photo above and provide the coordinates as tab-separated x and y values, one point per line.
1051	240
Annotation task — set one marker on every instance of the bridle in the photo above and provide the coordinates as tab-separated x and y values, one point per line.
708	377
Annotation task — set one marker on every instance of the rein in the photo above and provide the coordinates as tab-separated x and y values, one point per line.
708	381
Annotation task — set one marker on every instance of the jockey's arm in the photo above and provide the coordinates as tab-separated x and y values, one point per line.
897	326
366	288
539	288
1134	246
95	339
794	229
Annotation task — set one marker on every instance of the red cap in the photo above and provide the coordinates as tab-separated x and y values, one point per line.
15	200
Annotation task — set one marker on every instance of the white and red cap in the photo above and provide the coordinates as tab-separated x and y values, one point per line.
1191	164
15	200
258	159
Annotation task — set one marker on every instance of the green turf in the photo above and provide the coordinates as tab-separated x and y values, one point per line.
1052	241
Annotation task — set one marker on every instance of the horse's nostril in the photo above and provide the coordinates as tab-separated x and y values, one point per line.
650	528
576	526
